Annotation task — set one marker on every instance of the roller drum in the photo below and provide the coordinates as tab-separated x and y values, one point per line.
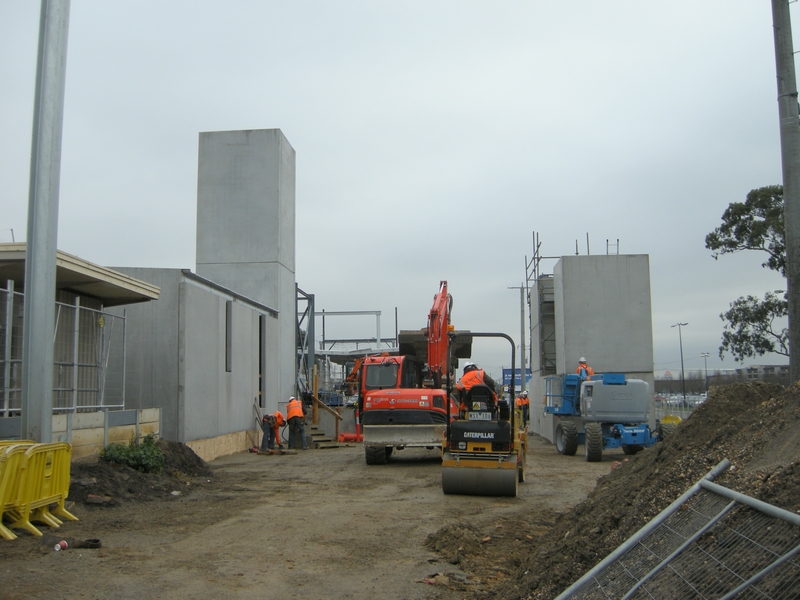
476	481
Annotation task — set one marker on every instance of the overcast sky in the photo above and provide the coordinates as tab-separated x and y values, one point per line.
433	138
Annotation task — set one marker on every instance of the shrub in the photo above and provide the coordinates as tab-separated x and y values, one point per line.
145	456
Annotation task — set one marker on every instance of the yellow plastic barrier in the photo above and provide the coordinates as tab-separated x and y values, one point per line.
43	480
10	458
4	443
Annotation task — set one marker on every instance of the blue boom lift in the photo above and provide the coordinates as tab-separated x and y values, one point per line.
601	412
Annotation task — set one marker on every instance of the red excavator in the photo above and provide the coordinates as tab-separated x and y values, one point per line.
402	402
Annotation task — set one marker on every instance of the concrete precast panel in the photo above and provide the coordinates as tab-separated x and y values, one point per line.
603	312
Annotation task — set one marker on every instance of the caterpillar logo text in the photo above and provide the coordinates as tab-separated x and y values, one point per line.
478	435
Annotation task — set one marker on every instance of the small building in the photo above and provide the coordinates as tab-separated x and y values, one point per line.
203	355
89	348
221	342
772	373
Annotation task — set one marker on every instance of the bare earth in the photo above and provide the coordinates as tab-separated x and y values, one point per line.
317	524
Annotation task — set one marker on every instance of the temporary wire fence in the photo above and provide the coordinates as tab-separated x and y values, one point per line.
88	356
711	542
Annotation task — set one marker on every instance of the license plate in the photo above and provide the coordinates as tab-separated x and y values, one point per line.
480	416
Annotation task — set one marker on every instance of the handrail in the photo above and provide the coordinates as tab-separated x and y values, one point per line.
326	407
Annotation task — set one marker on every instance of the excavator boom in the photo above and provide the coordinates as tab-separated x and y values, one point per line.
438	327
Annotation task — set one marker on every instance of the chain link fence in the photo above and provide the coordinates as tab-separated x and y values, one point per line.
710	543
88	358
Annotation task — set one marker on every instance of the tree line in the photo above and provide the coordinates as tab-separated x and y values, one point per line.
752	324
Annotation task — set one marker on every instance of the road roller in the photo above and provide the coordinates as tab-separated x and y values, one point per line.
484	453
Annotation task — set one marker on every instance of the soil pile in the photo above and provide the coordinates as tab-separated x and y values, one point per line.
755	425
108	484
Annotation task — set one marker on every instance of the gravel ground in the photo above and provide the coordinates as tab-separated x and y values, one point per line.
324	524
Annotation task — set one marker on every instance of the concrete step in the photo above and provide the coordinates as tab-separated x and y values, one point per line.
326	445
319	440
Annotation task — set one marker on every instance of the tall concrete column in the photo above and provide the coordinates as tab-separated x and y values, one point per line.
246	231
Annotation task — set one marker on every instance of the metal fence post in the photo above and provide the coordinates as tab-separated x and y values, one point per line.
7	348
76	334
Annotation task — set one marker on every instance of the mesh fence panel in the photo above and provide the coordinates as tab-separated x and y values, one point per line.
88	357
706	548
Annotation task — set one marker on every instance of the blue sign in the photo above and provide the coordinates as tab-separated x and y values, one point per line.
517	382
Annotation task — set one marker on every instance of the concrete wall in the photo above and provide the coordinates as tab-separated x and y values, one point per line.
602	312
152	348
88	433
216	402
176	357
246	228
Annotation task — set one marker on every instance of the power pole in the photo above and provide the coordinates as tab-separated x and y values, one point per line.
790	159
680	341
41	246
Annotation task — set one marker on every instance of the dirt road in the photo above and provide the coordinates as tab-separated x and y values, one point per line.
318	524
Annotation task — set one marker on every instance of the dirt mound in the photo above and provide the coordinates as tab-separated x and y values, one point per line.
456	540
179	458
96	478
755	425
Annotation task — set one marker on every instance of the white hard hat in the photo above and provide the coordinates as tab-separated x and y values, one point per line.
292	398
470	366
582	359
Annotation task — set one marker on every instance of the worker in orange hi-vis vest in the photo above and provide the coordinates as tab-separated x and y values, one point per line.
271	424
296	415
523	402
584	370
473	376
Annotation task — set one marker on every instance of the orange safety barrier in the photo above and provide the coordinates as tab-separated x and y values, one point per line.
36	476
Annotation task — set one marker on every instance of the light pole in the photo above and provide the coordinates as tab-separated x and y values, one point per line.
522	341
705	356
680	341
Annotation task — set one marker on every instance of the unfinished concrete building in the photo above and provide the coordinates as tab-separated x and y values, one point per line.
223	339
597	307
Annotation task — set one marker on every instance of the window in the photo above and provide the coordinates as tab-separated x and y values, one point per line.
382	375
228	334
262	340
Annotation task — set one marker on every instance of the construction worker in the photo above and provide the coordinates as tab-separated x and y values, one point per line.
296	414
584	370
522	402
271	424
473	376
